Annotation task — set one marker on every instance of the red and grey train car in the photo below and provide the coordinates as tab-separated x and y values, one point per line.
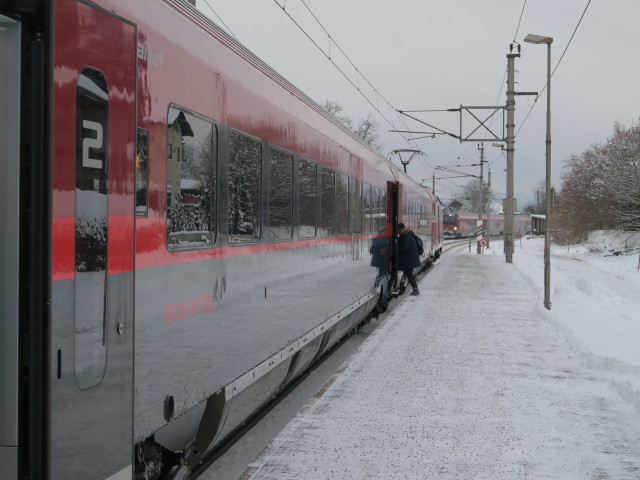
464	224
184	232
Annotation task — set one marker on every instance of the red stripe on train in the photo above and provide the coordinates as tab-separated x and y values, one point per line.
120	248
152	250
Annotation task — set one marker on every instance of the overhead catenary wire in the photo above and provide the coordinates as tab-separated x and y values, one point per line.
359	74
221	21
502	84
515	35
556	67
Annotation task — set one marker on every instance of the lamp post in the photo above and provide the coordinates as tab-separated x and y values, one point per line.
479	227
538	39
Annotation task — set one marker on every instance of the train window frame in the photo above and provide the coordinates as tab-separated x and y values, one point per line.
91	234
234	238
142	172
302	224
208	237
271	230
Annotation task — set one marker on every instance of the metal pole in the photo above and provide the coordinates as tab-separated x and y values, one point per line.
489	210
480	202
508	208
547	231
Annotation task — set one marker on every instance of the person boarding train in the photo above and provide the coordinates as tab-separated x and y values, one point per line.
408	255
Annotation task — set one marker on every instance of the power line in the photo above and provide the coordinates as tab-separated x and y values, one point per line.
359	74
503	83
515	35
221	21
556	67
504	77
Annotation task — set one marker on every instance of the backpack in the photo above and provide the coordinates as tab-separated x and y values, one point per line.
419	244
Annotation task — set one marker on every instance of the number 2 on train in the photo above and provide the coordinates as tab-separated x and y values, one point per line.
88	143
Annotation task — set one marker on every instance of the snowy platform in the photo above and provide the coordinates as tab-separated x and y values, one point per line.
472	379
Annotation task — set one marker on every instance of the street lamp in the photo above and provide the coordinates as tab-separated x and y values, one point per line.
538	39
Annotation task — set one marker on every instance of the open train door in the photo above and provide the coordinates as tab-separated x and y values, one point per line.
92	250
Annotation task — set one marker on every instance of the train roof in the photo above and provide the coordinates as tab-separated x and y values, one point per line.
241	50
246	54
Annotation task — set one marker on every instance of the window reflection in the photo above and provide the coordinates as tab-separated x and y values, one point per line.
142	172
342	203
245	173
307	198
367	208
281	196
355	205
191	180
91	214
382	211
327	201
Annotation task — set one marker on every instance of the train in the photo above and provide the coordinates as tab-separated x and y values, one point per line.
184	233
451	225
461	224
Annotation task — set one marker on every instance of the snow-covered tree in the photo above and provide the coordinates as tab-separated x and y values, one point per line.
601	187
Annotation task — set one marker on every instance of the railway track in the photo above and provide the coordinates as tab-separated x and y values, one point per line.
470	241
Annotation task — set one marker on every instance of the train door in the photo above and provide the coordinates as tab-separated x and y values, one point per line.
394	195
10	60
91	344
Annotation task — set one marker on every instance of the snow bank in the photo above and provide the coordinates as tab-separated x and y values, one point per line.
595	295
612	240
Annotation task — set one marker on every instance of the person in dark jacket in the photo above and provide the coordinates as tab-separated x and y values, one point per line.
408	257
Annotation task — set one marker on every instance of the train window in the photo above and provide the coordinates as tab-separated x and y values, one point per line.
375	209
366	209
355	205
281	196
307	186
342	203
382	209
327	202
245	175
405	213
142	172
191	180
91	205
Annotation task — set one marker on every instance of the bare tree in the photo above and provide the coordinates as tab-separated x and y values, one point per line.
334	109
367	129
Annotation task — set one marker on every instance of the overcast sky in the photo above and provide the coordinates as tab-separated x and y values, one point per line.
437	54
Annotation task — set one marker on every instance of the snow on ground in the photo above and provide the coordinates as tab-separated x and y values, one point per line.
595	297
475	379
